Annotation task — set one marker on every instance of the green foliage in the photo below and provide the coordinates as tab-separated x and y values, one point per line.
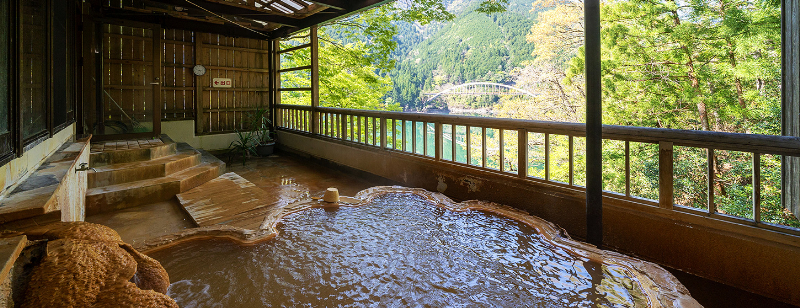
262	126
473	47
243	146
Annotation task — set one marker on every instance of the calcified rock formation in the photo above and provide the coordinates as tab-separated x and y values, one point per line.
88	265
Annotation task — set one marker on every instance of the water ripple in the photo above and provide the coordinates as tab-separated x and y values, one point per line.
397	251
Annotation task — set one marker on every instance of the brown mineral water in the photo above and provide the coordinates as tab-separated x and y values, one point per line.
397	251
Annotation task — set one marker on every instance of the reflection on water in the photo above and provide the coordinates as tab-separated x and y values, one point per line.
398	251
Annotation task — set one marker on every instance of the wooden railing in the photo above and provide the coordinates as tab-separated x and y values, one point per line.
401	132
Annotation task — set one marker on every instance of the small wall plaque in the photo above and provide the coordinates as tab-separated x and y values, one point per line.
221	83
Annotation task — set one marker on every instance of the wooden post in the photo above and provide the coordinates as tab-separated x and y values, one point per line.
314	79
790	91
275	76
665	175
594	124
98	84
158	51
200	82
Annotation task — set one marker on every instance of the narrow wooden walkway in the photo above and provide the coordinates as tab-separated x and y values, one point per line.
227	200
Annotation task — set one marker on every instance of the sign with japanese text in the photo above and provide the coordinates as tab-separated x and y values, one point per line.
221	83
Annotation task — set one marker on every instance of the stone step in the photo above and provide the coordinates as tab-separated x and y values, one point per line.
114	197
128	151
143	170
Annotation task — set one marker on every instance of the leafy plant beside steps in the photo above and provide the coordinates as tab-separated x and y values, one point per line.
258	140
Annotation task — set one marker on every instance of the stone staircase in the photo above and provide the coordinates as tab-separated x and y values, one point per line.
137	172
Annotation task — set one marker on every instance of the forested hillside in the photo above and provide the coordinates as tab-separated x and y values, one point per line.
473	47
700	65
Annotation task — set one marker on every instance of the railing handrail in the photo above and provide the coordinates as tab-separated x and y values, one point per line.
762	144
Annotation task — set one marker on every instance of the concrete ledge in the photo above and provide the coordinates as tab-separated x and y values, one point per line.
54	186
749	258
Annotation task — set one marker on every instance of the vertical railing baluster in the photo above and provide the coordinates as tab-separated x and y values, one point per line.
547	157
712	206
665	175
502	149
414	137
351	127
627	168
394	133
439	135
483	147
383	122
425	138
522	153
358	119
757	187
375	131
468	141
404	136
453	142
343	120
338	125
571	160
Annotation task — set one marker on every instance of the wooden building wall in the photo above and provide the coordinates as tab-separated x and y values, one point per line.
127	71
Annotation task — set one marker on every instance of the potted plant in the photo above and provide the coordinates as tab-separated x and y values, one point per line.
244	145
262	129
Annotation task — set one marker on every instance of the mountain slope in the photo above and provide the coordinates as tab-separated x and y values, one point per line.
473	47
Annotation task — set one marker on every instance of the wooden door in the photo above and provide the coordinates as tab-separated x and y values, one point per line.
131	84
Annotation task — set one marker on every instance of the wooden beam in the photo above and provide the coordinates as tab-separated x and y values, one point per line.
170	22
334	4
232	8
328	15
